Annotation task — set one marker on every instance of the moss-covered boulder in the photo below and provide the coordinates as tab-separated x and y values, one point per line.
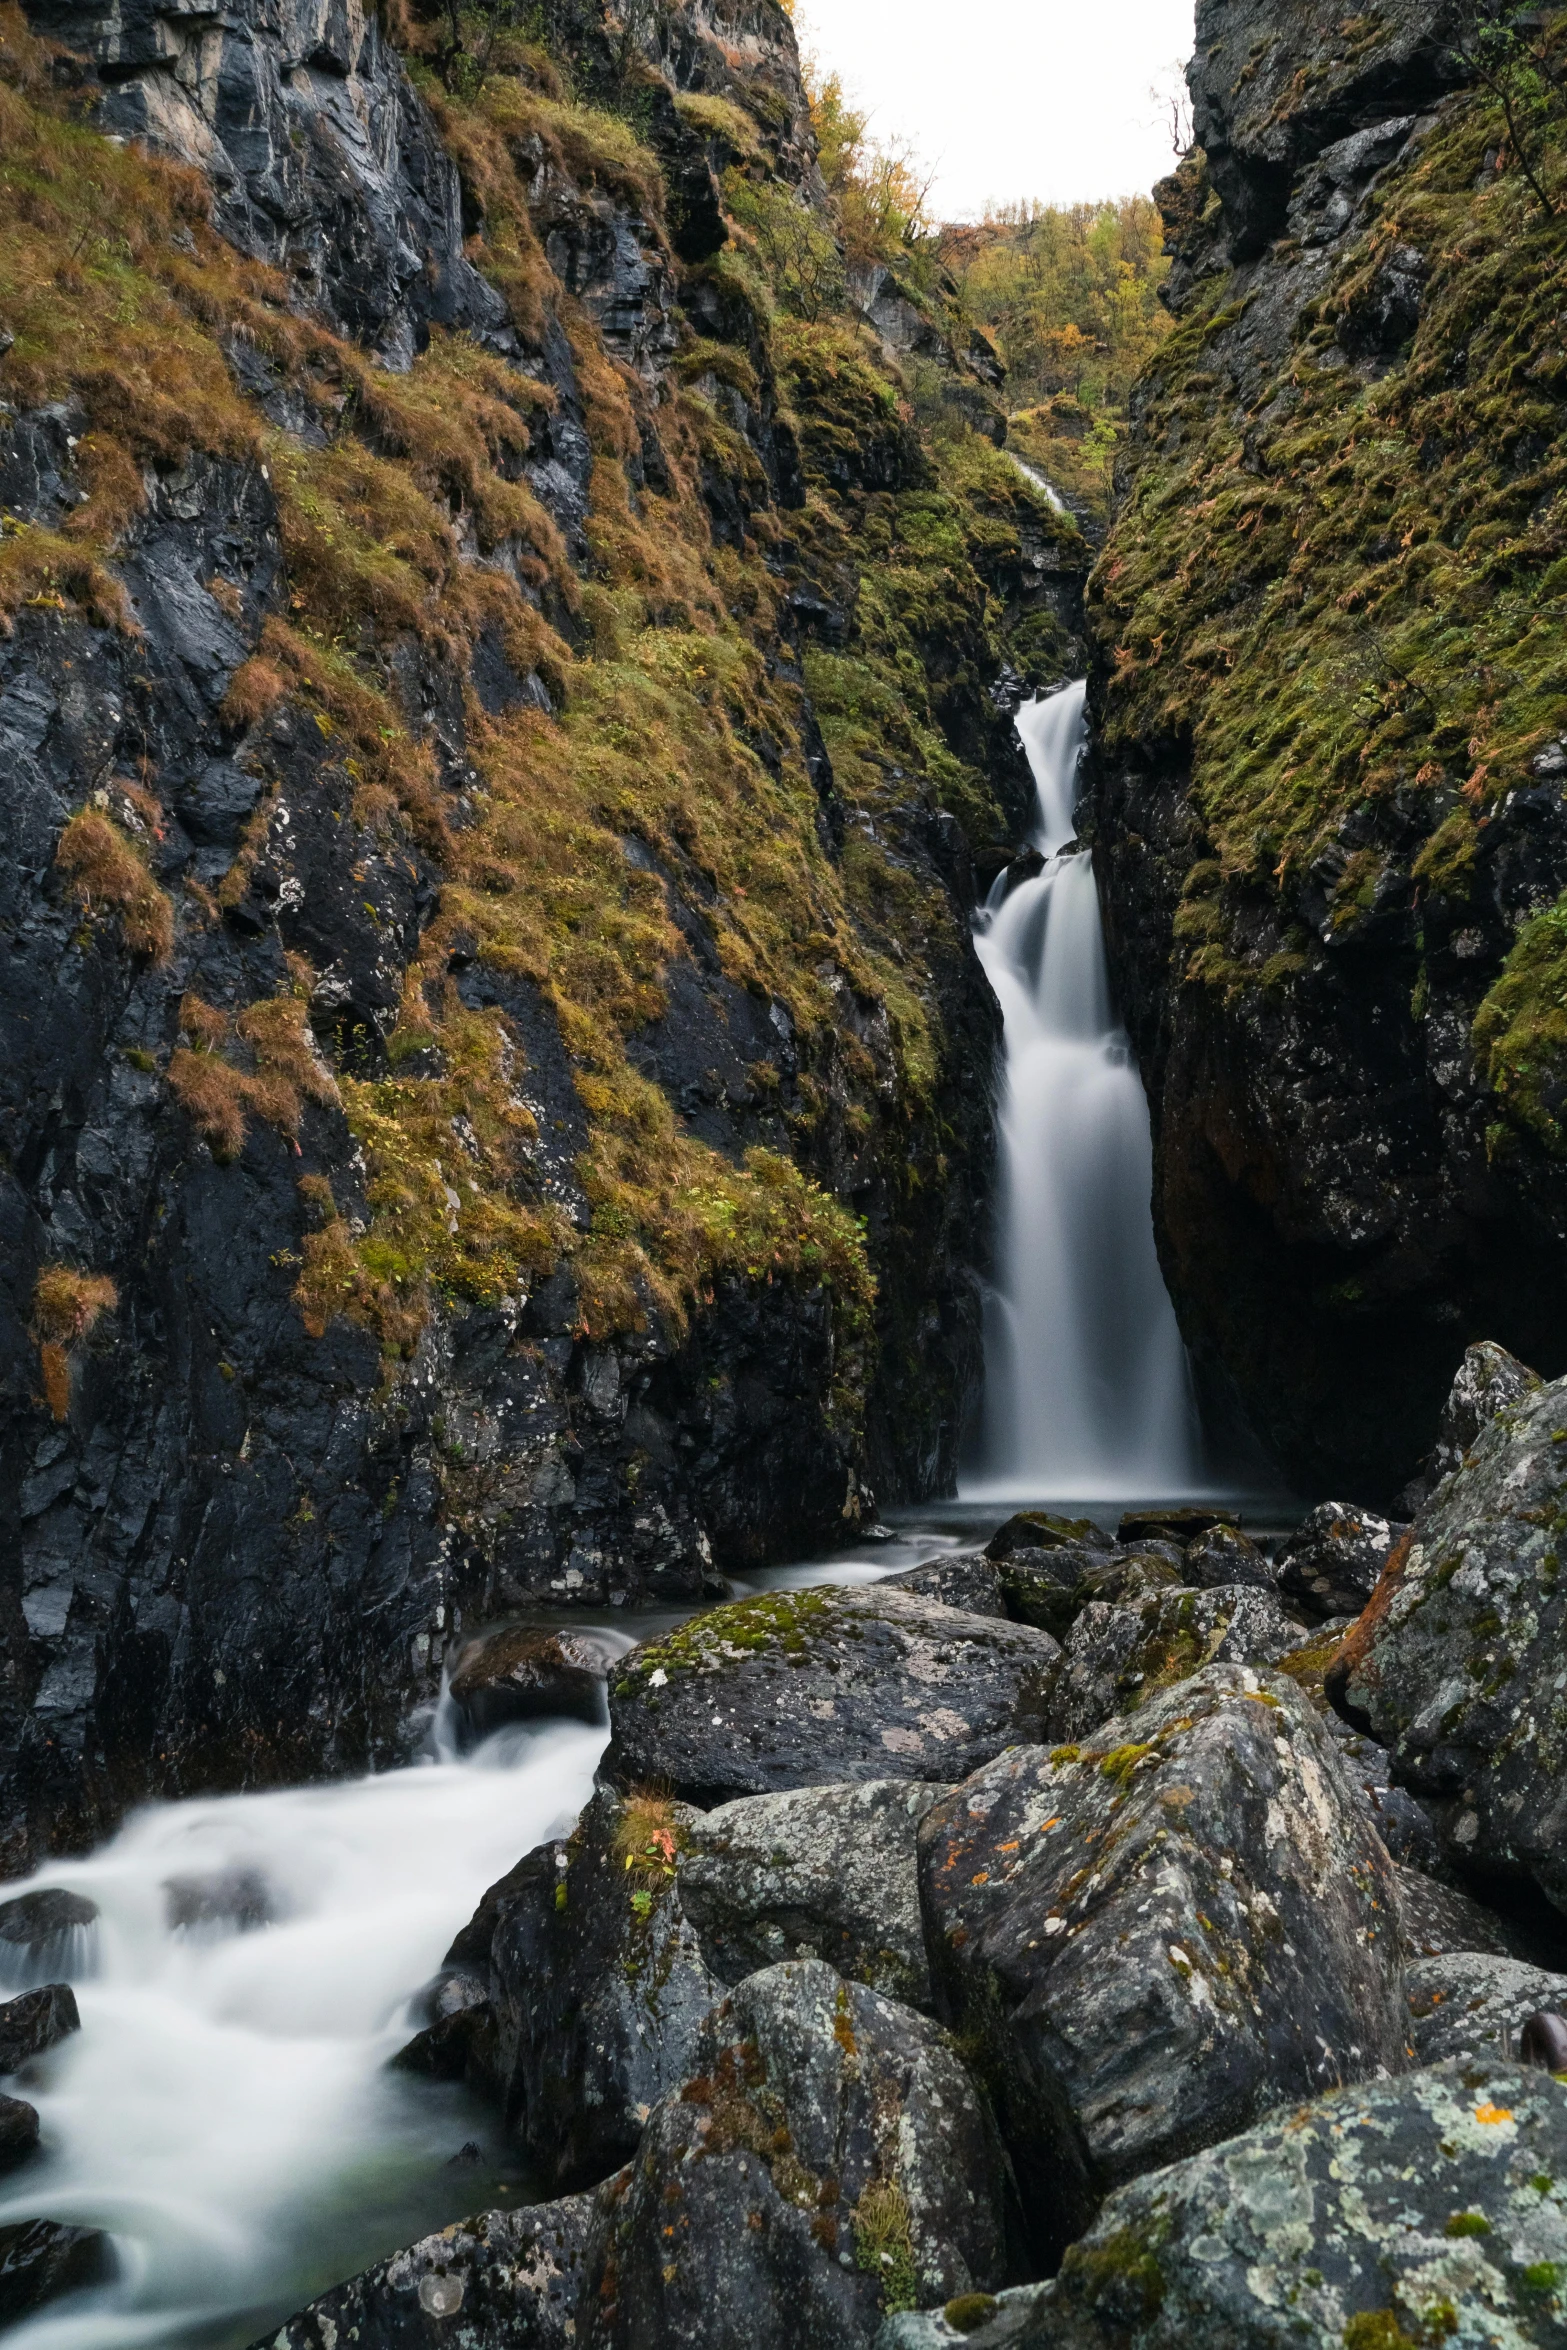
805	1688
1456	1665
828	2163
1389	2216
1120	1656
1045	1530
819	1872
1153	1938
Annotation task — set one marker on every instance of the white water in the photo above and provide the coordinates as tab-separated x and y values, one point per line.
224	2111
1032	474
1087	1391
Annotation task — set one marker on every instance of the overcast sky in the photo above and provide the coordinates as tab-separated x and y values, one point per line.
1011	98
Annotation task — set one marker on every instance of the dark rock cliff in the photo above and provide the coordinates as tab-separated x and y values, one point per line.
1330	823
495	1092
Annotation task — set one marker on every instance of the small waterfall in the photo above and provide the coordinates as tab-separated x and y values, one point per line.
1087	1391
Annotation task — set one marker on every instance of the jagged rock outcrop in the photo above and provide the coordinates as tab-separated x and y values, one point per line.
451	1148
1331	864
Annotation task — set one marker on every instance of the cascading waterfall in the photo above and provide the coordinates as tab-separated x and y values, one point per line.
1087	1390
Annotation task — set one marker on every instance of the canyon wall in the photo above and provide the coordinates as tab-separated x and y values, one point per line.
496	704
1330	711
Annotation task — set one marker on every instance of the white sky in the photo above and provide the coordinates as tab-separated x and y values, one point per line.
1010	98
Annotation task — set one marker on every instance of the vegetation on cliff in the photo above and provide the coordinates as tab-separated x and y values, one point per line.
672	726
1338	584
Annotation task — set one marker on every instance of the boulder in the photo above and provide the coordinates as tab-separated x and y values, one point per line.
1331	1562
34	2022
1150	1939
597	1986
1464	2002
970	1582
1042	1530
506	2276
522	1673
45	1935
1133	1574
808	1688
1119	1657
1395	2212
1044	1587
830	2161
40	2259
1489	1380
1400	1819
458	2039
1435	1917
1456	1665
1223	1554
18	2131
819	1872
1179	1526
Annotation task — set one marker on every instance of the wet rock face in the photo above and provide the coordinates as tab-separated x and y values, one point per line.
1330	1564
1375	2213
512	2276
821	1872
1120	1657
41	2260
806	1688
597	1984
1455	1665
37	2021
1155	1937
829	2161
522	1673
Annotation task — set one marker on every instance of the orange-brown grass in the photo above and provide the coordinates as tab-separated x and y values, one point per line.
218	1096
109	876
66	1307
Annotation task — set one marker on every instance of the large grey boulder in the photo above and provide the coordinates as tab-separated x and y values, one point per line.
1331	1562
970	1581
1149	1940
1456	1666
1488	1380
506	2276
1398	2213
596	1985
807	1688
818	1872
830	2161
1225	1555
1468	2002
1120	1656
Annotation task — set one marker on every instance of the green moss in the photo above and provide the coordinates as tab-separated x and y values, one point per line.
970	2311
1377	2329
1124	2264
1347	590
1468	2223
1542	2276
782	1622
884	2243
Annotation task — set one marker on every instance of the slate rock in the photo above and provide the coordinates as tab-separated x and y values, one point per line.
1045	1587
1456	1666
1488	1380
809	1688
970	1582
1421	2209
1182	1525
1223	1554
818	1872
524	1674
1117	1657
45	1934
34	2022
1462	2002
505	2276
597	1986
830	2159
1438	1917
40	2259
18	2131
1043	1530
1331	1562
1150	1939
1132	1574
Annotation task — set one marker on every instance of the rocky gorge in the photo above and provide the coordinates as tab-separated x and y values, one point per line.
512	640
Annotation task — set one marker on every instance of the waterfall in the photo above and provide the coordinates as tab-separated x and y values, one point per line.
1087	1390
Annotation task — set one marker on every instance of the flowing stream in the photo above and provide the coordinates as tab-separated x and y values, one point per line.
1087	1390
225	2112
